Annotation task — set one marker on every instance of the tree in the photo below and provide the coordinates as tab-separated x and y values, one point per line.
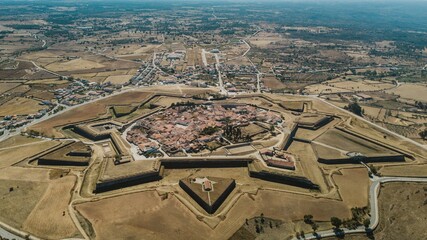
257	229
314	226
308	219
336	222
354	108
366	223
374	170
423	134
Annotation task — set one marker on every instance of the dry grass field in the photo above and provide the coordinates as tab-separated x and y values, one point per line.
15	206
111	73
308	161
334	55
397	220
73	65
273	83
264	39
34	200
358	85
118	79
144	221
79	62
50	216
25	174
20	106
350	84
6	86
353	186
416	92
131	50
405	170
323	88
132	219
11	155
28	185
17	141
48	81
348	143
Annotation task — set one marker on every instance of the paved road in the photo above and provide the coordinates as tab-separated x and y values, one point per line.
373	201
221	83
249	48
8	235
38	67
259	73
205	62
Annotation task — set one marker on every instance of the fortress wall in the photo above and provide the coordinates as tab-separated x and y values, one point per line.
204	163
45	152
393	158
285	179
288	139
88	133
322	122
196	197
126	181
382	144
57	162
261	172
223	196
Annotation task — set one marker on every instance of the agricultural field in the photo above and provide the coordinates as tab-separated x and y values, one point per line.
55	220
401	220
353	185
413	92
273	83
10	155
4	87
20	106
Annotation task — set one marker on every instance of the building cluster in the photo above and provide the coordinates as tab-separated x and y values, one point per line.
238	69
145	75
80	91
11	122
190	127
278	159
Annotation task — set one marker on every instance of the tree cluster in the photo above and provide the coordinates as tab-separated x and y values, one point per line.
423	134
354	108
308	219
234	133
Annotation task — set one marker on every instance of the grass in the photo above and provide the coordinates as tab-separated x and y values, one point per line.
20	106
120	111
15	206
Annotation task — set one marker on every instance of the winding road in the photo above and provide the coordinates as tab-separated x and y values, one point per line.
373	201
